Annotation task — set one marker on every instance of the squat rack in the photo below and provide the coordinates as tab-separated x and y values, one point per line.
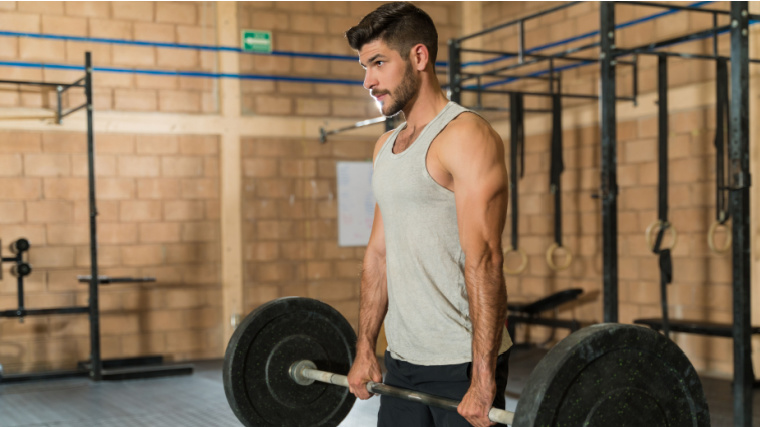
97	368
91	309
609	57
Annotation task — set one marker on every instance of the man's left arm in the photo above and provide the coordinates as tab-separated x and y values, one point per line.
475	159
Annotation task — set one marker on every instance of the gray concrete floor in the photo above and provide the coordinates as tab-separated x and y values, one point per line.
198	400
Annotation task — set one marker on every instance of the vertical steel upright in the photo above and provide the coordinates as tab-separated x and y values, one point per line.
609	188
455	71
95	359
739	208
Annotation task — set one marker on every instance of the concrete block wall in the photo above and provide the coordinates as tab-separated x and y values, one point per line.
159	200
158	204
159	194
290	209
188	23
318	27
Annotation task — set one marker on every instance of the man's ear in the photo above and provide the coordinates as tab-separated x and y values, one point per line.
419	57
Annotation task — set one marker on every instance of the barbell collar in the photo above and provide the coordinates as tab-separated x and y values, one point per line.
304	372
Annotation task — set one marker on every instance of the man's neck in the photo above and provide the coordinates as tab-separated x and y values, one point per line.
428	103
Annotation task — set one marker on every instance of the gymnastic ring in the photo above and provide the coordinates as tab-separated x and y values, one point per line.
656	225
523	263
711	238
550	257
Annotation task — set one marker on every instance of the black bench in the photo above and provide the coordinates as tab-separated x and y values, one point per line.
530	312
699	327
694	327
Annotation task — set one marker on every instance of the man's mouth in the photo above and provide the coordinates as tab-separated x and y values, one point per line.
379	96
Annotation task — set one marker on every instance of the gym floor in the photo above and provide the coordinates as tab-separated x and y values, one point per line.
198	400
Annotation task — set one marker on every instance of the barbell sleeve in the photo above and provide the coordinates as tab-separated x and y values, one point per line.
304	372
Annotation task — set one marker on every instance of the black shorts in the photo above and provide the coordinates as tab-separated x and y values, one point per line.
450	381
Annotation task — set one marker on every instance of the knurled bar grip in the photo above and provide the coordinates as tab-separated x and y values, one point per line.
305	373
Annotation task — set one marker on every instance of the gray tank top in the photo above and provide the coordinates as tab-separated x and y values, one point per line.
428	320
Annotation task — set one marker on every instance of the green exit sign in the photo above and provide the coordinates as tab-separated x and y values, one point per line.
257	41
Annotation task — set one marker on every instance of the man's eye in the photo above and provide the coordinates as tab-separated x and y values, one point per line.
379	63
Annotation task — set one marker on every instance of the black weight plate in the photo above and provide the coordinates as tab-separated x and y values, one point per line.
264	346
613	375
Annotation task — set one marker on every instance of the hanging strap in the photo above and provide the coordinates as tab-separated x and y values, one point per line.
722	212
557	166
516	156
666	262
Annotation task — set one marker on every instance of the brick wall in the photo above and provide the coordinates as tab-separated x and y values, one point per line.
291	230
318	27
163	22
158	195
158	203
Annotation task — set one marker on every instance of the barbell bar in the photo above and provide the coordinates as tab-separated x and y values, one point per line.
305	372
600	376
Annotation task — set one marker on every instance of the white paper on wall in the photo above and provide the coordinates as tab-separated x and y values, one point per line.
356	203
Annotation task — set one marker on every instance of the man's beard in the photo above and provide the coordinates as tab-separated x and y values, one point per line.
404	93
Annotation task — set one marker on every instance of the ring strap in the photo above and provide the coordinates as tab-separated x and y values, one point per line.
666	263
557	166
516	156
722	130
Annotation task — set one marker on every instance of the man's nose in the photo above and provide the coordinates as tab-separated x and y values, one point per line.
369	80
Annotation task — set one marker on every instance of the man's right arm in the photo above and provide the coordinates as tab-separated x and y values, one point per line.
372	308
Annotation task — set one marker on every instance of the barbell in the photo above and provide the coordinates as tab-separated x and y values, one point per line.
279	370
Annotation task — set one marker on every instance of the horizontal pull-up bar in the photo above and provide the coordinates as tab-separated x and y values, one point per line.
547	94
688	56
674	7
676	40
78	83
517	21
324	133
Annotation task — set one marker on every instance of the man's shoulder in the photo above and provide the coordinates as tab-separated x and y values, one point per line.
469	126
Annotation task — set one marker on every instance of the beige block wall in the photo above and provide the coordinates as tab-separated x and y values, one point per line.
159	191
318	27
158	204
188	23
291	222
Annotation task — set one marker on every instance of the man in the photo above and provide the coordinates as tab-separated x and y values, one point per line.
433	266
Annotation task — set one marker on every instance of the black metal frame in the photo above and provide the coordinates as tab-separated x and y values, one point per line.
739	205
92	308
129	368
610	56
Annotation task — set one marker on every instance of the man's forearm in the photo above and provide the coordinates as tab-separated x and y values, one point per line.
488	309
373	305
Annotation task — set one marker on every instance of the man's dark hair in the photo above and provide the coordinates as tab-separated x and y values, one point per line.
400	25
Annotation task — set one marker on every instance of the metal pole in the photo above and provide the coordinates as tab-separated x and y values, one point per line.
95	360
521	42
58	108
739	204
609	188
20	291
455	71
